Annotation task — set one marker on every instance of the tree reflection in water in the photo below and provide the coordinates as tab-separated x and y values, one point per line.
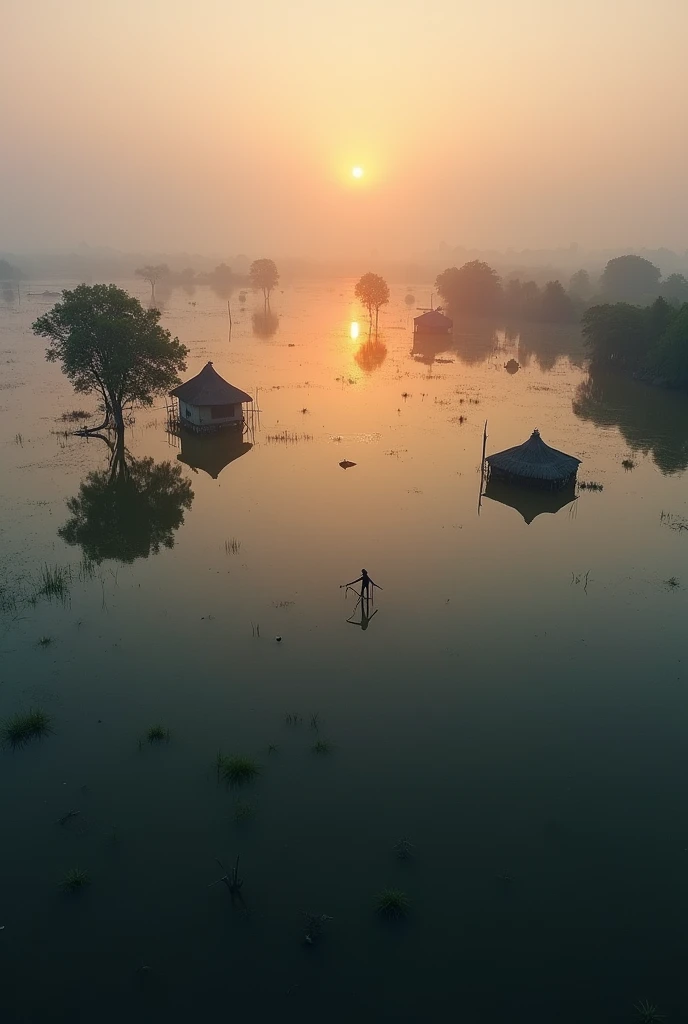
129	510
265	323
371	354
651	419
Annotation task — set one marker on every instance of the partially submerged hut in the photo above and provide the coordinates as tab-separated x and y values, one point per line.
535	464
208	402
432	322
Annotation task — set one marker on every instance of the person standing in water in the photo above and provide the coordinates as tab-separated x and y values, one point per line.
366	583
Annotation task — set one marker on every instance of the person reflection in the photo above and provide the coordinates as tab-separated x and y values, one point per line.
364	601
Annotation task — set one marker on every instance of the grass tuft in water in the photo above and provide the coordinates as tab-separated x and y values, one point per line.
392	903
272	748
672	582
322	747
237	770
157	733
45	641
54	582
403	849
232	546
75	880
647	1013
590	485
29	725
628	464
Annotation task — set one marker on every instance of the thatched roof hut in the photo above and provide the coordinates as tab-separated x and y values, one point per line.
534	463
208	402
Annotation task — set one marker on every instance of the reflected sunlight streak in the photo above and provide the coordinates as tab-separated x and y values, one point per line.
354	330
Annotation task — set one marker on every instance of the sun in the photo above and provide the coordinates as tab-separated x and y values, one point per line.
357	172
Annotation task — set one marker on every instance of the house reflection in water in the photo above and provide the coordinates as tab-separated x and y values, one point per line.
212	454
530	501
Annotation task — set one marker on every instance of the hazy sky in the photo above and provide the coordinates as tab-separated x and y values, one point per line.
225	126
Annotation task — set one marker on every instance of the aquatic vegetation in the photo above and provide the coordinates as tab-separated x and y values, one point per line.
75	880
287	437
232	546
674	522
405	394
322	747
243	811
18	439
392	903
304	411
403	849
157	733
590	485
54	582
647	1013
231	880
75	415
272	748
314	721
672	582
628	464
238	770
22	727
293	719
45	641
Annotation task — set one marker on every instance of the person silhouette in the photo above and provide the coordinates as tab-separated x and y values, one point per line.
365	581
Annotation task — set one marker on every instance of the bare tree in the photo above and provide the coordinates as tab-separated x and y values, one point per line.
152	272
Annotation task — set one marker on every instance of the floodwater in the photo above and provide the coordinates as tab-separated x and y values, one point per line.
515	708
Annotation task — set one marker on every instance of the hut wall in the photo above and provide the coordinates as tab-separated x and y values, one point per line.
202	415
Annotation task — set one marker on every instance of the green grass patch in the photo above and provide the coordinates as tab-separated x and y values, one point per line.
25	726
392	903
238	770
75	880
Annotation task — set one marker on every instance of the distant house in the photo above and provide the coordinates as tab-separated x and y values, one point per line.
208	402
432	322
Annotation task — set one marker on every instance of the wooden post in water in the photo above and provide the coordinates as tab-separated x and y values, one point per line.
482	469
229	314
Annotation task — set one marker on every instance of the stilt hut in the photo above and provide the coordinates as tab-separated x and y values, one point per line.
534	464
208	402
432	322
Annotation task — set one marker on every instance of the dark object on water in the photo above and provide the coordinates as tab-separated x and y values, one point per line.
346	464
530	501
278	639
432	322
535	464
512	366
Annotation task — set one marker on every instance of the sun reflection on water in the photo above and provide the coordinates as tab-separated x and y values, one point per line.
354	330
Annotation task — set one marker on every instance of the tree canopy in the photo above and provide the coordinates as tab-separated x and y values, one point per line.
373	292
473	288
263	276
630	279
8	272
109	344
152	272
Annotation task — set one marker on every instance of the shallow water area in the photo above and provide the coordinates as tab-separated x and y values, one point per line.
514	705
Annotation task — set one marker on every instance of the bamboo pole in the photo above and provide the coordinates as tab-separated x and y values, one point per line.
482	469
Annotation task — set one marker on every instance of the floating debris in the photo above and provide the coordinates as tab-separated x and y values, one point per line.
345	464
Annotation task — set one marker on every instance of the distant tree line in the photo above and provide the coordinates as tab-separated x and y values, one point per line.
650	342
476	289
262	276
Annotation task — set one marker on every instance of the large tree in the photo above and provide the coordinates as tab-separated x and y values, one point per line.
152	272
373	291
473	288
263	275
630	279
675	288
556	306
110	345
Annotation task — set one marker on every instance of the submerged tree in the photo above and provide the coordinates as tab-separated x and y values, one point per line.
109	344
152	272
473	288
129	510
630	279
264	276
373	291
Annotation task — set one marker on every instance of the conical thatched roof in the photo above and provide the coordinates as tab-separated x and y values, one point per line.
433	320
530	501
534	460
209	388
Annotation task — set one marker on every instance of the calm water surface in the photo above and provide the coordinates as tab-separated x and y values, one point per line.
516	706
